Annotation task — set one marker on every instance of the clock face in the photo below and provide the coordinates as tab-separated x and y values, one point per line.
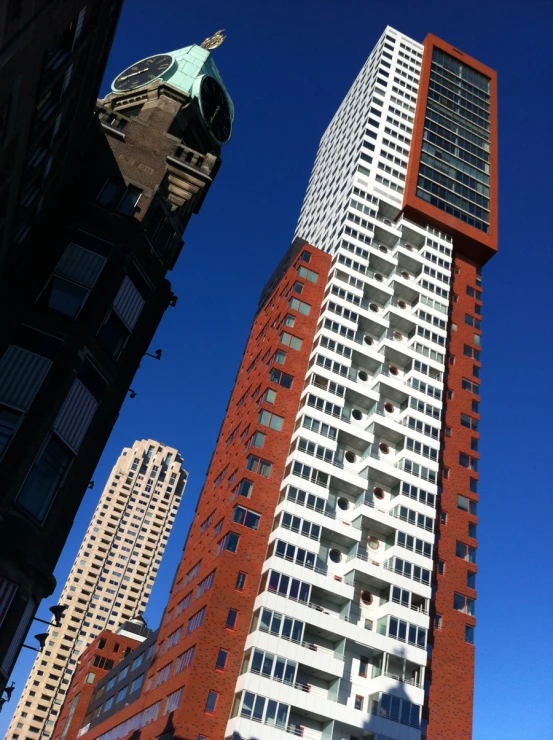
216	109
142	72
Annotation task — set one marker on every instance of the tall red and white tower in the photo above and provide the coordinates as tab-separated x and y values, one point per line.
327	587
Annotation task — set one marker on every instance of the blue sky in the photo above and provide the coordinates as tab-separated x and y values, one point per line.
287	66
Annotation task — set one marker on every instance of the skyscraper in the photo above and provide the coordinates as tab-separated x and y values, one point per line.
84	288
111	578
327	587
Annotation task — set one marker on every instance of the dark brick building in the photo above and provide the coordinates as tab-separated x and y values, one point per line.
84	290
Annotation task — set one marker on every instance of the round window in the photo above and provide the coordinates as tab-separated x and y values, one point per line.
378	277
350	456
402	304
409	247
362	375
405	275
367	339
366	597
389	408
398	336
373	307
373	543
378	493
357	415
335	556
383	249
383	447
393	370
343	503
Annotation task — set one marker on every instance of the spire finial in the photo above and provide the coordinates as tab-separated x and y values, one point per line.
212	42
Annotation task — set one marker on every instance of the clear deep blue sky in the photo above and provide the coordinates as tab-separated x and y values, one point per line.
287	66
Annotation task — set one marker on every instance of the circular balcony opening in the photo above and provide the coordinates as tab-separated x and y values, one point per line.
378	493
350	456
383	249
357	415
398	336
409	247
383	447
343	503
373	543
387	221
393	370
362	375
366	598
378	277
389	408
373	307
405	275
335	556
368	340
402	304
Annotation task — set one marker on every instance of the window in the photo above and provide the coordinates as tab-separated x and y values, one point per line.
109	192
469	386
466	461
244	488
471	352
289	320
45	478
90	677
465	552
256	440
309	274
297	305
441	567
113	335
463	604
363	667
469	422
136	684
469	634
438	622
205	584
473	485
298	287
280	357
173	701
472	530
231	619
290	341
240	581
358	702
471	579
211	702
475	407
129	201
245	517
9	421
466	504
305	256
195	621
261	467
221	660
472	321
267	419
277	376
121	694
64	296
185	660
229	543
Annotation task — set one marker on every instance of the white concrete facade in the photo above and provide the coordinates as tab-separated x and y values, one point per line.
111	578
338	643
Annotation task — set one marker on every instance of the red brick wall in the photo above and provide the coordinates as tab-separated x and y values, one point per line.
79	686
201	677
452	668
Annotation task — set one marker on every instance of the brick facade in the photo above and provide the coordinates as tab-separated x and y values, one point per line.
216	505
107	646
450	700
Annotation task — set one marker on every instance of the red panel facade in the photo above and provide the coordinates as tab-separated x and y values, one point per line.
469	240
450	699
209	632
113	648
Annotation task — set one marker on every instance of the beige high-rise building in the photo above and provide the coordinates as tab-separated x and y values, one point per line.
111	578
